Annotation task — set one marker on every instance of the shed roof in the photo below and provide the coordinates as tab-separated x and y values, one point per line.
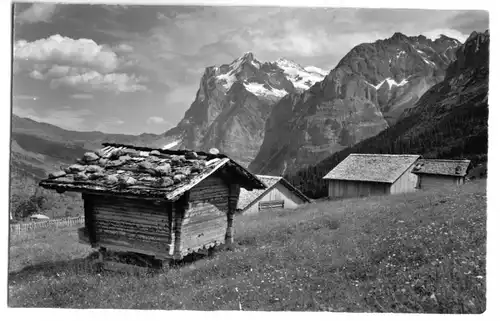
141	171
383	168
247	198
446	167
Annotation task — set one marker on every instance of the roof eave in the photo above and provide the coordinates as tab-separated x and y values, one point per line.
295	190
440	174
360	180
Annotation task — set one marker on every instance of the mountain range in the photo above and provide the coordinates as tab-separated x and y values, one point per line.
233	103
281	118
449	121
368	91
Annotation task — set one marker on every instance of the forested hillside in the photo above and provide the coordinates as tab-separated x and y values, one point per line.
449	121
28	198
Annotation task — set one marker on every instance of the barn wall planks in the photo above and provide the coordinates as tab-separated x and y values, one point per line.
436	181
278	192
142	226
205	220
349	189
406	183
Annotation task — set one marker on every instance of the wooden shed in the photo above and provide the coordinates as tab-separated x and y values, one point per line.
279	193
159	204
360	175
439	172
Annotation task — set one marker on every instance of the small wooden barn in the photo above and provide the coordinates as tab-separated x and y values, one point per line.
360	175
438	172
279	193
159	204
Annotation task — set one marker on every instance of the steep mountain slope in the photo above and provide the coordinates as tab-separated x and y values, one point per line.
233	103
449	121
368	91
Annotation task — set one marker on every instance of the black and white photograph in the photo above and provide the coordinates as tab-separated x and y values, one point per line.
200	156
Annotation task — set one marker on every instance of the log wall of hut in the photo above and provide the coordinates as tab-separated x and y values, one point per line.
436	181
205	220
353	189
141	226
405	183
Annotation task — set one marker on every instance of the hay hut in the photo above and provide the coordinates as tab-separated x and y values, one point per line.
159	204
439	172
279	193
360	175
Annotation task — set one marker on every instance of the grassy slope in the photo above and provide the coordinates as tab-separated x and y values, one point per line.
422	252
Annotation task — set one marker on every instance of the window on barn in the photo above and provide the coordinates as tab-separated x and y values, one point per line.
266	205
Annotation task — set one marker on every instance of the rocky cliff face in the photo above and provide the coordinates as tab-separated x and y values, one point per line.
233	103
450	121
466	80
368	91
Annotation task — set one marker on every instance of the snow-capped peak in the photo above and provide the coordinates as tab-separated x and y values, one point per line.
391	82
247	55
316	70
299	76
261	90
229	78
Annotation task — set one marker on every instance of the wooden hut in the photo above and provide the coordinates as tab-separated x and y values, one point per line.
360	175
279	193
159	204
439	172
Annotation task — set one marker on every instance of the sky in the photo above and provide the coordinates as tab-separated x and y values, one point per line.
133	69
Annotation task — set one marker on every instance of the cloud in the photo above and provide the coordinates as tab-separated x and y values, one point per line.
58	71
25	97
109	125
38	12
80	63
93	80
65	118
182	95
124	48
67	51
470	20
35	74
156	120
433	34
82	96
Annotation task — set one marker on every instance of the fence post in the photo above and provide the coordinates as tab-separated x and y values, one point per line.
31	226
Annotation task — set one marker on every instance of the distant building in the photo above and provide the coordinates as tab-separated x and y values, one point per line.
278	194
360	175
38	217
439	172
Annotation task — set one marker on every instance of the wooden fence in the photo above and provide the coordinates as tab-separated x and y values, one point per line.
19	228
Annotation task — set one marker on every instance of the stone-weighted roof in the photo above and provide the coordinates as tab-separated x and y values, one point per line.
124	169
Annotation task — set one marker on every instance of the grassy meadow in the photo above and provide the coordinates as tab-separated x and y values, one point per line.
419	252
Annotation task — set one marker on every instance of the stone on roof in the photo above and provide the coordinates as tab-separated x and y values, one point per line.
123	169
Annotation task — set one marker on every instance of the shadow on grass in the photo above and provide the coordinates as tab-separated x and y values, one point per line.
88	265
56	268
